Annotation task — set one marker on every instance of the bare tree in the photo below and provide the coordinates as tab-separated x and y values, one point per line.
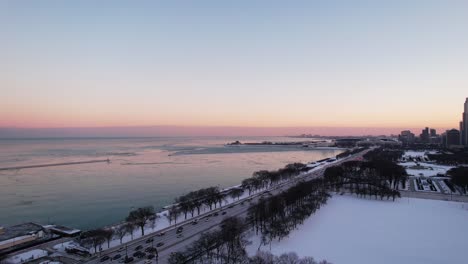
121	231
129	227
140	216
108	235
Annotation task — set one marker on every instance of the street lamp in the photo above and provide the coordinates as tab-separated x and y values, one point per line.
156	255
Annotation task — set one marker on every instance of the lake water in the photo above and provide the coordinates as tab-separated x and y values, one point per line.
142	171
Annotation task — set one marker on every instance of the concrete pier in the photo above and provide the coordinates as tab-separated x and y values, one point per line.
53	164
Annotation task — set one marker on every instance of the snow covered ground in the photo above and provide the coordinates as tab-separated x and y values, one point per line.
411	154
429	170
29	255
351	230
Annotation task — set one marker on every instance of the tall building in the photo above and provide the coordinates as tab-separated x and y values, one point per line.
424	135
453	138
464	125
406	137
461	133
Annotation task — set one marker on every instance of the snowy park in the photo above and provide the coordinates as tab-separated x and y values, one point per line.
366	231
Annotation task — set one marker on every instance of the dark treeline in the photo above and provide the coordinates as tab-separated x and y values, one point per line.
276	216
349	152
265	179
459	177
263	257
194	201
380	176
392	155
137	218
213	197
453	157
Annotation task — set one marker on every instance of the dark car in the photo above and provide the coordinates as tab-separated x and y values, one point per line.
141	255
139	247
216	214
150	256
160	244
149	249
137	253
116	257
104	258
149	240
180	229
194	222
128	259
223	213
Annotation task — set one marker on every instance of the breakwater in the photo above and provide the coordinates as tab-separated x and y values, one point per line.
53	164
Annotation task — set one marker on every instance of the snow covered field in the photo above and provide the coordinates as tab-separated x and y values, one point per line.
350	230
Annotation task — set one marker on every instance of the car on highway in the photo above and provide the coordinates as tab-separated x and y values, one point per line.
160	244
161	234
150	256
121	249
139	254
116	257
104	258
180	229
128	260
139	247
216	214
223	213
148	261
149	240
150	249
194	222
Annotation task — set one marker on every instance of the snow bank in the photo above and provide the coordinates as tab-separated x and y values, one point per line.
29	255
408	231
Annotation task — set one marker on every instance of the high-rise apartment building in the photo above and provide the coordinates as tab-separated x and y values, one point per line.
464	125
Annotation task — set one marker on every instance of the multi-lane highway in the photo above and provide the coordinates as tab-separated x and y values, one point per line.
174	240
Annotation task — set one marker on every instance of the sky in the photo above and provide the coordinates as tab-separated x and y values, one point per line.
375	65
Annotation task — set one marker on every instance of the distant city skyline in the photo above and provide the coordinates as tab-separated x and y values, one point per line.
232	67
181	131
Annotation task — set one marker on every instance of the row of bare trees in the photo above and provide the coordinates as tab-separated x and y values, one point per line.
264	179
138	218
379	178
276	216
212	197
